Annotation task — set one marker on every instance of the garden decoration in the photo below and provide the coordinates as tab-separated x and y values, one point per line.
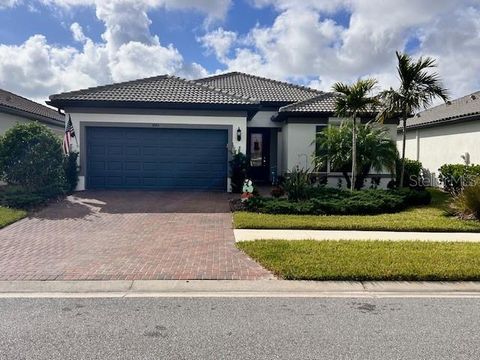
247	190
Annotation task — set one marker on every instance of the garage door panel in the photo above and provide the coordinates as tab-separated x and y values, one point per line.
114	166
156	158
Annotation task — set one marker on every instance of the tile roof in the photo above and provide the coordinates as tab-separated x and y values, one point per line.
262	89
29	107
455	109
158	89
319	104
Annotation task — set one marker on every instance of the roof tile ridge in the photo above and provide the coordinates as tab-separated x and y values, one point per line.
213	88
112	86
286	83
29	100
217	76
307	101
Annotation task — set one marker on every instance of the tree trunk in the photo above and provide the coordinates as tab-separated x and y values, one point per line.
347	179
404	143
354	151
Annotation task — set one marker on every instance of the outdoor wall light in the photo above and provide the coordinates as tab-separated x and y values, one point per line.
239	134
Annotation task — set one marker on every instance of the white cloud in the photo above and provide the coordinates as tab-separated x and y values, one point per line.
129	50
219	42
305	41
36	68
77	32
8	3
214	9
135	60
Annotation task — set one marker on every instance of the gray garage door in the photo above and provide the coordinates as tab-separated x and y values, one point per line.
156	158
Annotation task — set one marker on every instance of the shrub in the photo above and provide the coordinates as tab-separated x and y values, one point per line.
328	201
239	166
467	204
18	197
277	192
31	157
70	168
413	173
415	197
297	184
456	176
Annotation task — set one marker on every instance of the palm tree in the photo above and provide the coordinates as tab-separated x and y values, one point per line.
354	100
418	88
376	149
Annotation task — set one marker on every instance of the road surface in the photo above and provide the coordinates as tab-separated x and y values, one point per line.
240	328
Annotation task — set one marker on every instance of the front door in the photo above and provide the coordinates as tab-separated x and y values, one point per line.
258	144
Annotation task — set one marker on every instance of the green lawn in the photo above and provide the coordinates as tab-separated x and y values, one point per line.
8	216
367	260
420	218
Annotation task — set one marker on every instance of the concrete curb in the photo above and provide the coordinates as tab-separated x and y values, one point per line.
259	234
235	288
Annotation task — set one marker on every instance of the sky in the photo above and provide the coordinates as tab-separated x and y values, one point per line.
51	46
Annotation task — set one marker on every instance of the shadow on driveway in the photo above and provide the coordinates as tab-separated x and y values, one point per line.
82	204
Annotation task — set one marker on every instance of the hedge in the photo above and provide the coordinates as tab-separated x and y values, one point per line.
455	176
340	202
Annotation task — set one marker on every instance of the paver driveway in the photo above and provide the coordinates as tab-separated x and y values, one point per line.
127	235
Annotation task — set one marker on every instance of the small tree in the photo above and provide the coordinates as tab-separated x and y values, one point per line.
376	150
70	168
418	88
239	167
31	156
354	100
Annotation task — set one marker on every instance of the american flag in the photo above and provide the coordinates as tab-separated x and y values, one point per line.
69	134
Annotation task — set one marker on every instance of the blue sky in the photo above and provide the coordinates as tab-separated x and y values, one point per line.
48	46
179	27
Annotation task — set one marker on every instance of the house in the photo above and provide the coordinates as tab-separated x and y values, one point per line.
445	134
166	132
16	109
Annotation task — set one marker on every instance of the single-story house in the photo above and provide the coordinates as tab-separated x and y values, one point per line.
445	134
16	109
166	132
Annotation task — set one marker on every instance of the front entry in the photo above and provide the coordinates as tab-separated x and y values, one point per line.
258	145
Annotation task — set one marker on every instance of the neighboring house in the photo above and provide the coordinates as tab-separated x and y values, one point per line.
170	133
445	134
16	109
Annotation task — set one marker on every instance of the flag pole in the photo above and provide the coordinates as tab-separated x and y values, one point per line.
70	120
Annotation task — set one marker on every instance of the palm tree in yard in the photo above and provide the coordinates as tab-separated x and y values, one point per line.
355	100
419	86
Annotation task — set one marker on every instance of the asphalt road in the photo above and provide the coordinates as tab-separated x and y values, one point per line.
240	328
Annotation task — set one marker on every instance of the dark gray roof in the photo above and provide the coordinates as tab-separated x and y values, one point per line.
463	107
159	89
324	103
259	88
28	108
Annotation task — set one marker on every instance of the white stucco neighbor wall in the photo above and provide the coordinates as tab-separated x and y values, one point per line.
156	120
445	144
9	120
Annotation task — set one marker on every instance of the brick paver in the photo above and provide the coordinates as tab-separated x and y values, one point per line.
113	235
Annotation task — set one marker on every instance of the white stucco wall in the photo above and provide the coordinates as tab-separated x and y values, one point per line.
94	119
436	146
9	120
299	147
264	119
299	141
